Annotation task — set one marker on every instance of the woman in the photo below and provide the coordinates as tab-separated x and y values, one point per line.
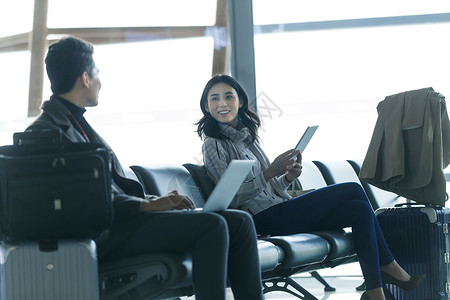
229	130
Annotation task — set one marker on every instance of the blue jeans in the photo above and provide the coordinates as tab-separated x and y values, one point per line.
335	206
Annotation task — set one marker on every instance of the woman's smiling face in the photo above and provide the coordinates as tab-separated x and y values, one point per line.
223	104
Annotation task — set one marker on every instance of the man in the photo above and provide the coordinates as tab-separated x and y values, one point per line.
217	242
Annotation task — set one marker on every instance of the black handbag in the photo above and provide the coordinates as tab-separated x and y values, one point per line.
50	191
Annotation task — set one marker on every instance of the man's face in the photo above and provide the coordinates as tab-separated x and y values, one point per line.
94	88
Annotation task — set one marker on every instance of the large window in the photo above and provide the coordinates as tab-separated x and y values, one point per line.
130	13
294	11
150	97
15	17
320	62
14	85
330	65
154	58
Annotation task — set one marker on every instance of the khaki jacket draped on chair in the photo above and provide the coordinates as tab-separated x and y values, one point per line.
410	146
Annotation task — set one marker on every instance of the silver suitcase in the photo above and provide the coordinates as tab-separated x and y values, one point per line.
57	270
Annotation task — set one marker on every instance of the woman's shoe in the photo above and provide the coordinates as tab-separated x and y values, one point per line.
414	281
364	296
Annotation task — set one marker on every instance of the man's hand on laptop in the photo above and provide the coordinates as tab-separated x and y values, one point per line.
172	200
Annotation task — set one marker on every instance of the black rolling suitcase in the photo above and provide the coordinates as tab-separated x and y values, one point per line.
418	238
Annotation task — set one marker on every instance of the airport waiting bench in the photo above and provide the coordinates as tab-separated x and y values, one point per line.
168	275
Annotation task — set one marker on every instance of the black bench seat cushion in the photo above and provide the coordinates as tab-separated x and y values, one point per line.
159	180
269	255
301	249
341	241
201	178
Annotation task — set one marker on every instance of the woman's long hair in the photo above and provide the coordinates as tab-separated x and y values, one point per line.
207	126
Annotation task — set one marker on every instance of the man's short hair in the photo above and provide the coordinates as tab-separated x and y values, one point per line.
66	60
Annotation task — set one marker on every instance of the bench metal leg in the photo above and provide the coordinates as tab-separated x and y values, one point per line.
282	285
327	288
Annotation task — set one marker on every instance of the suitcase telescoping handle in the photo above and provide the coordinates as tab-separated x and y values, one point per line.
411	204
428	209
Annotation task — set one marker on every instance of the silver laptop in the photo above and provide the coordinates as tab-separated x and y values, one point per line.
225	190
228	185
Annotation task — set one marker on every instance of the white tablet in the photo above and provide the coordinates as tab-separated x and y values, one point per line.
306	137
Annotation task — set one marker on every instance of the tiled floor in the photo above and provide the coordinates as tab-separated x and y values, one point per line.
344	278
345	289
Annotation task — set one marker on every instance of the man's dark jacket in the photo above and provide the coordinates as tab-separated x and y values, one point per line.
128	193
